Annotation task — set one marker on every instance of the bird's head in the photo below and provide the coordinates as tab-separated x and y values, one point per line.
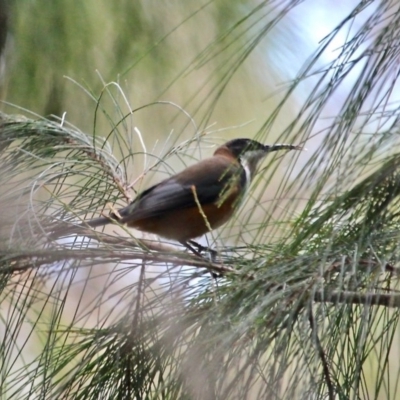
250	152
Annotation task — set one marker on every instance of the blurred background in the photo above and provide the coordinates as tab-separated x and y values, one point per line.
219	60
217	67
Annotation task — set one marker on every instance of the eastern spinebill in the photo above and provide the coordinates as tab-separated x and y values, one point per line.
195	201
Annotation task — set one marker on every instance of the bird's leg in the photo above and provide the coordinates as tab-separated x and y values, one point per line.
189	245
201	248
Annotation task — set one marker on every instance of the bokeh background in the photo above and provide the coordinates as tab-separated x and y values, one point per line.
219	60
218	67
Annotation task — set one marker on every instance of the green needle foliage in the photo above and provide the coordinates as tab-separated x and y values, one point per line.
307	302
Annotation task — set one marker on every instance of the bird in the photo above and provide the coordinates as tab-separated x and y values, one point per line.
198	199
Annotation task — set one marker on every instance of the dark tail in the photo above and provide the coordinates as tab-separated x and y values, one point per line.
67	229
94	223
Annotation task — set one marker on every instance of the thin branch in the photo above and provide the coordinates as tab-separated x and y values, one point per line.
346	297
36	258
321	354
140	291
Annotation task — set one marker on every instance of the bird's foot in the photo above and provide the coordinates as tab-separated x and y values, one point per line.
191	244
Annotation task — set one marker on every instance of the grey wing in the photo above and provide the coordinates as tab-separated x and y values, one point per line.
178	193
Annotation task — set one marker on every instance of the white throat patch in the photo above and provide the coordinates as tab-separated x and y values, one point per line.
249	161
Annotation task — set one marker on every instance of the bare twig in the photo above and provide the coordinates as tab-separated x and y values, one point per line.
321	354
347	297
